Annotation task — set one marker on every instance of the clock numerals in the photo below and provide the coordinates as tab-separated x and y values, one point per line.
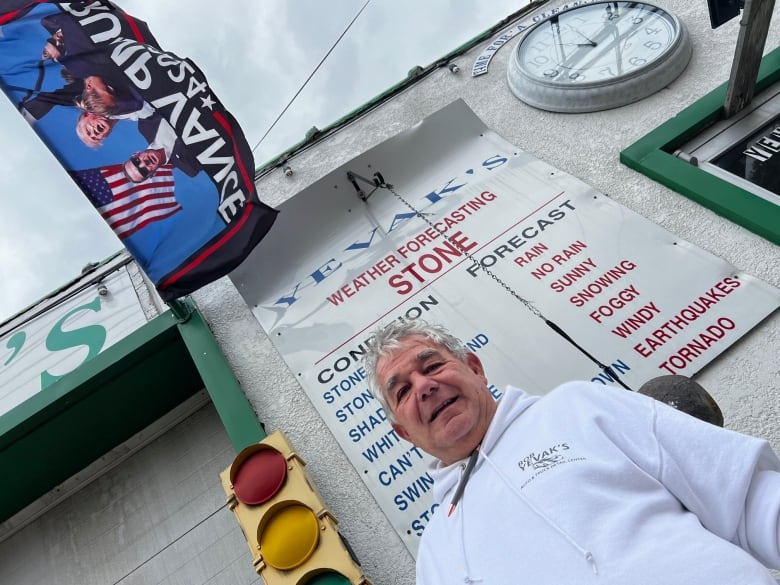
607	72
556	73
539	61
540	46
637	61
653	45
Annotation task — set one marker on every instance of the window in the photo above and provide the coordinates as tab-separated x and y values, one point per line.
730	166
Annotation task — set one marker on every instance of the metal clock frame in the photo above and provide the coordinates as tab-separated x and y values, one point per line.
602	94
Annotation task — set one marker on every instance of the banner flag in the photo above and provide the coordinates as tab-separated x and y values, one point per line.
140	132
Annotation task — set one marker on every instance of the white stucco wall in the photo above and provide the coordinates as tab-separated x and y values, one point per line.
744	380
150	516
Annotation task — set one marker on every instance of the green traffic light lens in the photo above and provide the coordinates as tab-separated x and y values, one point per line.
259	476
327	578
290	537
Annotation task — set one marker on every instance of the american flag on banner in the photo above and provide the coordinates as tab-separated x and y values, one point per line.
126	206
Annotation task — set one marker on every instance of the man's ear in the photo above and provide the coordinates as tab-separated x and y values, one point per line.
475	365
401	431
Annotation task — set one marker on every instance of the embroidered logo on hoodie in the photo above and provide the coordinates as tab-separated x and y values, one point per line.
545	459
538	463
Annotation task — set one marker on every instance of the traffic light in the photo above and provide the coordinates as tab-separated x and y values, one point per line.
293	537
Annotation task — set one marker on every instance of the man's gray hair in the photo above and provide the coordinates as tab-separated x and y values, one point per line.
388	338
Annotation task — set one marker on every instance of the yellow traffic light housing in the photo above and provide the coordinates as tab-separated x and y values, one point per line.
293	538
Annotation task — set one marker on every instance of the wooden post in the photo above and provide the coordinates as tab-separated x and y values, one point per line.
754	27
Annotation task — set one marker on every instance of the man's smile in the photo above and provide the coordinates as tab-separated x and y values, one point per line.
441	407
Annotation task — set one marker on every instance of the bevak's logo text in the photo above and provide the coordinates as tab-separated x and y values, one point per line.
545	459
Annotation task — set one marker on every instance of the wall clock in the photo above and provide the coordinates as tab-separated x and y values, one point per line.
598	56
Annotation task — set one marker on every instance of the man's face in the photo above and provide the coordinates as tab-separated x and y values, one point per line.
95	126
54	46
50	51
440	403
143	165
101	88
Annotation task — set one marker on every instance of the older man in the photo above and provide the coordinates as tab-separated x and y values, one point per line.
142	165
164	147
92	95
93	129
93	81
587	484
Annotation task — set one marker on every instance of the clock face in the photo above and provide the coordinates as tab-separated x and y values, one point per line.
601	46
597	42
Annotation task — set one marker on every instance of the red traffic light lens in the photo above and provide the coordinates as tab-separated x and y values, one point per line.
259	476
290	537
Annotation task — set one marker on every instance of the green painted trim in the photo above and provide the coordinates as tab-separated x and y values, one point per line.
86	413
106	400
652	155
234	410
73	387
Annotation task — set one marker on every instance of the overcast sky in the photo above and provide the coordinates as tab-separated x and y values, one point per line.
256	57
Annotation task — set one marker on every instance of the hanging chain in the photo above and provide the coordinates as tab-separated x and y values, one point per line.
607	369
528	304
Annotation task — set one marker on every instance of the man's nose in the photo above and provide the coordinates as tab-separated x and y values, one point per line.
424	386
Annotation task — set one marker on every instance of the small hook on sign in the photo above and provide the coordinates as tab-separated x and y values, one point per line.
376	182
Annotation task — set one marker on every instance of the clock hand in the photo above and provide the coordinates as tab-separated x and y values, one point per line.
590	43
556	31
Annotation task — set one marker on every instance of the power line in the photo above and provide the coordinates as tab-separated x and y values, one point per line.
338	40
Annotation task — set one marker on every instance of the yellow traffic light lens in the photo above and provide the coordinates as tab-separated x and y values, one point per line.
259	476
328	578
290	537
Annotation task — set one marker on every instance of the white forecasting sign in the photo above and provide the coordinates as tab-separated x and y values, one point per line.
594	273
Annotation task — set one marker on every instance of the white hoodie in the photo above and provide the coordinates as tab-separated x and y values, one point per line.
591	484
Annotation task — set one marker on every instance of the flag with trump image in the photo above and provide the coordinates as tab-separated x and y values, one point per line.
140	132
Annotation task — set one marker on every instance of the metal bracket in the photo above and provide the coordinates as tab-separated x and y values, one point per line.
377	182
182	309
